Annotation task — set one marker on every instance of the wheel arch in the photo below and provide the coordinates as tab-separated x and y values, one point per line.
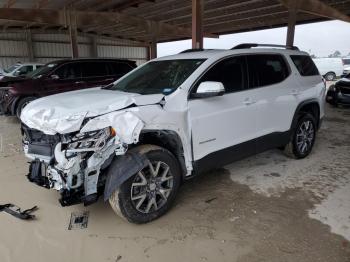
17	100
167	139
311	106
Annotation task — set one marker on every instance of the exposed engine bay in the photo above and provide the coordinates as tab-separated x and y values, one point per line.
75	163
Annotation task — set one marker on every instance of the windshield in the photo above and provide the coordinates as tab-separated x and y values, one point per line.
11	68
158	77
41	71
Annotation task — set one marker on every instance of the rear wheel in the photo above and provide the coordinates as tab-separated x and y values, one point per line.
22	103
303	138
150	193
330	76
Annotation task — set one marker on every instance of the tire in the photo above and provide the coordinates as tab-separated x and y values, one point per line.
330	76
139	208
22	103
303	137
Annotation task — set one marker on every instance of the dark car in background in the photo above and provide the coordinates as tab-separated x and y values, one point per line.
57	77
339	93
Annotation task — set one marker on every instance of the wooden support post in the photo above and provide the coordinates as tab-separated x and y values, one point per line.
291	26
30	50
94	50
197	27
73	33
153	49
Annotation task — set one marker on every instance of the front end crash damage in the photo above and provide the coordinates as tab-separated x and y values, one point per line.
76	163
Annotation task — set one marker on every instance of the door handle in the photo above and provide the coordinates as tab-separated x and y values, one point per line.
295	92
79	82
248	101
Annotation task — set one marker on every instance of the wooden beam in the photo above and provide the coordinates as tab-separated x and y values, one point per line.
41	3
73	34
94	49
9	3
29	43
292	18
197	27
88	19
316	7
153	49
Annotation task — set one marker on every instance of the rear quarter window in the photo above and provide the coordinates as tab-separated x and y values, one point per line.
266	69
305	65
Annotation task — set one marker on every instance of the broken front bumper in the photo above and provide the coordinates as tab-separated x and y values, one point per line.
74	167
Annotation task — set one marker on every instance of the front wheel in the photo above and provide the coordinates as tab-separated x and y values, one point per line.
21	104
303	138
150	193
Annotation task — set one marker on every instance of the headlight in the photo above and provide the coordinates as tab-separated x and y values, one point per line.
91	141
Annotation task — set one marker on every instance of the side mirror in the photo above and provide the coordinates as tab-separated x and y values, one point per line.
55	77
209	89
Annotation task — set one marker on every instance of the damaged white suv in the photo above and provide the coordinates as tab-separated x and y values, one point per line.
135	140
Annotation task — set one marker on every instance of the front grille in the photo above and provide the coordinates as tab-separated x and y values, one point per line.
39	143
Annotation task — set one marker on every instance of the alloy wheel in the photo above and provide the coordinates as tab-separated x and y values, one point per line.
151	187
305	136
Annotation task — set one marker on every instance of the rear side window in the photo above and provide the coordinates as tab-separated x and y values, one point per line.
305	65
68	71
119	68
230	72
266	69
94	69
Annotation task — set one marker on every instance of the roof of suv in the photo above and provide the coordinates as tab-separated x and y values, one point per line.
90	59
218	53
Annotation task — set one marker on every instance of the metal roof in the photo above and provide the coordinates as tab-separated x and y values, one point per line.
131	19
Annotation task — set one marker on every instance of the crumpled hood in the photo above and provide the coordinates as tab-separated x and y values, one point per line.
65	113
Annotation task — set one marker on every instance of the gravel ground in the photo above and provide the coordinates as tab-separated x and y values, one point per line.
264	208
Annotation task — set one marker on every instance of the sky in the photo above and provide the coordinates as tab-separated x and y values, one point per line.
320	39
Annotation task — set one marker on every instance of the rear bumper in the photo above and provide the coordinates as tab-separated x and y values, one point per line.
336	97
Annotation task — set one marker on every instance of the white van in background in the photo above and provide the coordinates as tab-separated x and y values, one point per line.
329	68
346	65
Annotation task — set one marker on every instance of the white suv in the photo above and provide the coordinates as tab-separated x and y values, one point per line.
135	140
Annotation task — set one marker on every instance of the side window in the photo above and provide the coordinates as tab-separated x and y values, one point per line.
94	69
24	70
230	72
118	68
69	71
266	69
305	65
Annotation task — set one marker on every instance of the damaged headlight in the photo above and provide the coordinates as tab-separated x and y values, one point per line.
91	141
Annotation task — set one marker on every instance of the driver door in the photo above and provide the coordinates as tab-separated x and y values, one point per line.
223	127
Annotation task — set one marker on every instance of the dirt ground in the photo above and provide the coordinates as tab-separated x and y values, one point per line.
264	208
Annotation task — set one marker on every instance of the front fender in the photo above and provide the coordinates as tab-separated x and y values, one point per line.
122	168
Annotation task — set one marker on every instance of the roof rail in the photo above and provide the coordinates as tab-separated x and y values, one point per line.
193	50
250	45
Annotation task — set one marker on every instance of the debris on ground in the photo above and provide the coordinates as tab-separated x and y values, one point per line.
78	220
16	211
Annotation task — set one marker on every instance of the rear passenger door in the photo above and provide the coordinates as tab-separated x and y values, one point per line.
96	73
275	95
